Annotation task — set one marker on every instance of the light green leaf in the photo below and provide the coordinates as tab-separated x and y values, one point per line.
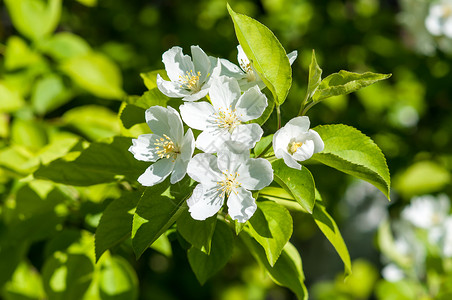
26	283
266	54
117	279
345	82
93	121
282	197
150	78
18	54
350	151
197	233
116	222
34	18
315	76
99	163
49	93
29	133
158	208
163	245
88	2
299	183
64	45
205	266
95	73
262	145
329	228
271	226
11	98
11	254
287	271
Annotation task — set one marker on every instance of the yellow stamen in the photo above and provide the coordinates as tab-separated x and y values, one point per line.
293	147
229	184
166	148
227	119
190	81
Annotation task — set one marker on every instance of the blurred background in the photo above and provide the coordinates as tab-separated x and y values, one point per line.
60	73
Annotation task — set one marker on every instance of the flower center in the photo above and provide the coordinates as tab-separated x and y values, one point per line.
447	10
250	76
227	119
165	147
293	147
190	81
229	183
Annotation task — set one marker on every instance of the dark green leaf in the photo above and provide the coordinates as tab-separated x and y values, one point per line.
352	152
197	233
271	226
205	266
299	183
345	82
266	54
116	222
262	145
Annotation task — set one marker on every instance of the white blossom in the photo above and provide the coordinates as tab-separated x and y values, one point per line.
189	80
427	211
224	119
296	142
167	147
232	174
246	75
439	19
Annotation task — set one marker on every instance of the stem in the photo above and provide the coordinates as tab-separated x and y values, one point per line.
278	115
302	104
305	110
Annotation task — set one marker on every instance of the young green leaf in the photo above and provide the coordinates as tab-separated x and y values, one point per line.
263	145
351	152
116	222
99	163
315	76
197	233
329	228
150	78
266	54
158	208
271	226
287	271
345	82
205	266
299	183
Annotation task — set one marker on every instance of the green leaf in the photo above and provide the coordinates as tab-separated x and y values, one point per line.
267	112
18	54
131	115
150	78
345	82
29	133
116	222
298	183
262	145
197	233
329	228
266	54
271	226
95	73
315	76
99	163
158	208
350	151
205	266
26	283
34	18
287	271
163	245
64	45
49	93
15	100
117	279
282	197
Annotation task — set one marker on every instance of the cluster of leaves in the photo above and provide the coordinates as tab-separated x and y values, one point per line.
47	73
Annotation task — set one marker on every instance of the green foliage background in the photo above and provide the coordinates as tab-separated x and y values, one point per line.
58	93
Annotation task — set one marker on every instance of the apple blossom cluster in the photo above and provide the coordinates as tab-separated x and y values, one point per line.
221	102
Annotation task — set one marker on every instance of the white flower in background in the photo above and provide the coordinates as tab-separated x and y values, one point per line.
439	19
190	80
232	174
224	119
246	75
167	146
427	211
446	241
392	273
296	142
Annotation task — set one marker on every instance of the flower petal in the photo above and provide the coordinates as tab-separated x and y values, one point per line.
167	121
255	174
201	61
241	205
212	142
251	104
318	142
292	56
305	151
242	58
143	147
170	88
297	125
187	146
230	70
176	63
231	157
196	96
195	114
224	92
290	161
203	168
281	140
247	134
157	172
179	171
205	202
